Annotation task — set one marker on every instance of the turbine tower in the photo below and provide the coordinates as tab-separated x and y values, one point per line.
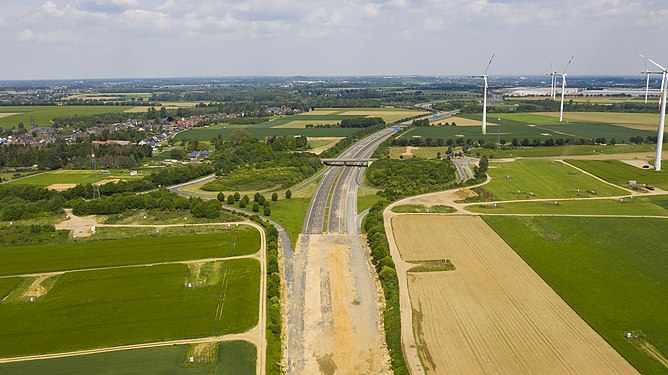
647	73
662	116
93	164
484	104
563	89
553	85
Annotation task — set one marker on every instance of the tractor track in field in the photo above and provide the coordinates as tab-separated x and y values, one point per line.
256	335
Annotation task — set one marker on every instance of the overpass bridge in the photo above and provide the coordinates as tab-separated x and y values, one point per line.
348	162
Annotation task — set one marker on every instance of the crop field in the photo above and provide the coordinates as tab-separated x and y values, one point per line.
461	121
233	357
69	256
294	125
529	179
210	133
641	121
528	125
588	99
44	114
72	177
638	206
111	307
621	261
492	313
570	150
167	105
620	173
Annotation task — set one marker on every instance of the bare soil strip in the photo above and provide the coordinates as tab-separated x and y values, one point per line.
493	313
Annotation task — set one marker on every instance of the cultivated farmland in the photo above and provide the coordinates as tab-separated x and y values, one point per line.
640	121
234	357
612	271
492	314
112	307
44	114
70	177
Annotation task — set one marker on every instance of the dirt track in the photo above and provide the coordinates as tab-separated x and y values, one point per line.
493	314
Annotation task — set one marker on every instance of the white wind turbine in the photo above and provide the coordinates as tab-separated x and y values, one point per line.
647	73
563	89
553	86
662	116
484	104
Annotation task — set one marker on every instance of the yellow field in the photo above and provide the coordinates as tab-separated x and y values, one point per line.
168	105
640	121
461	121
302	123
319	112
3	115
493	313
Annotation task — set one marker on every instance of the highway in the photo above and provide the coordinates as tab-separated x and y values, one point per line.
333	316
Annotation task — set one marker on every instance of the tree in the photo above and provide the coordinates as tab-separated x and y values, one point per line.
256	197
288	194
256	207
237	196
242	203
267	211
230	199
221	197
274	197
240	136
262	200
246	199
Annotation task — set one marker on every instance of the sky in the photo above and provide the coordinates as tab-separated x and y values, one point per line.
64	39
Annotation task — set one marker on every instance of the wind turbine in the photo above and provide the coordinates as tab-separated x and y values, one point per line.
484	104
553	86
647	73
662	117
563	89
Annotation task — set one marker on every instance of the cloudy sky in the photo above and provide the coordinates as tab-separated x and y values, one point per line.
168	38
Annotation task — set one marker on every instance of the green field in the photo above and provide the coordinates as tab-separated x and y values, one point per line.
612	271
366	197
564	150
620	173
72	176
210	133
58	257
527	125
233	357
638	206
529	179
290	214
112	307
251	179
44	114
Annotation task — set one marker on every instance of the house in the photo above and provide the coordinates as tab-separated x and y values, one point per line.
198	155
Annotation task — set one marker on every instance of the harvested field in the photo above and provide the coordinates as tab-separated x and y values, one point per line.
3	115
493	313
114	180
318	112
296	124
60	187
461	121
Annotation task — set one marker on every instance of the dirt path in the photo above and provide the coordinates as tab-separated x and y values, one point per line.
256	335
79	226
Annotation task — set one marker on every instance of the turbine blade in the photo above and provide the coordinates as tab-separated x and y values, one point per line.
489	63
567	65
652	61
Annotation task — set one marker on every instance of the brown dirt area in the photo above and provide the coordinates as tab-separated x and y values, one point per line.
338	337
78	226
60	187
5	114
493	313
114	180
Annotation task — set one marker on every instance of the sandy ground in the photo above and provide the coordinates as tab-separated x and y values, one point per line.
493	314
60	187
3	115
79	226
639	163
409	151
342	334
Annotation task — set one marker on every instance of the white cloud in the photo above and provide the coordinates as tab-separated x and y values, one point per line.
29	35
